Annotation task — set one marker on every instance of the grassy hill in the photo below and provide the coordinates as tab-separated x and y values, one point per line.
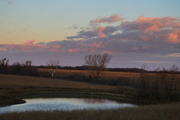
13	86
16	81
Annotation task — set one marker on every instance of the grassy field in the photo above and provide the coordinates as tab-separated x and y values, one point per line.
12	86
15	81
130	77
25	86
170	111
108	74
85	72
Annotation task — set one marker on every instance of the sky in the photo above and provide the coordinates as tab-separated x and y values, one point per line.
134	32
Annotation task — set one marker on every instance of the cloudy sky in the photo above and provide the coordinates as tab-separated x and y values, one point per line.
134	32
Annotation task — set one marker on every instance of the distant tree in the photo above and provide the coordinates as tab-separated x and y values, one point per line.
28	69
27	63
4	65
53	65
173	78
164	84
16	68
156	85
96	64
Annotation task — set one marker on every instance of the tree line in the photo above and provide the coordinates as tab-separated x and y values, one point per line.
161	84
25	68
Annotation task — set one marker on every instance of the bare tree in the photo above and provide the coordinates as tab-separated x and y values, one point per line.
96	64
144	82
28	69
53	65
156	83
27	63
4	65
173	77
164	84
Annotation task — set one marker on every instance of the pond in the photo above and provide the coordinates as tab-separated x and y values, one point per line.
63	104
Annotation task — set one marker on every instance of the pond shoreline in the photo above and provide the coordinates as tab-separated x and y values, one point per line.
64	104
15	88
68	93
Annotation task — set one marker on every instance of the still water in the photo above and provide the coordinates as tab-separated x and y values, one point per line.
63	104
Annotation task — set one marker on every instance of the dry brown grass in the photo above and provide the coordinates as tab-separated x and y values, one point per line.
25	86
151	112
104	74
108	74
27	81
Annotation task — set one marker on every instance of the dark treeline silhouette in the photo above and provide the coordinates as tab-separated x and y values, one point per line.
25	68
126	69
85	67
161	85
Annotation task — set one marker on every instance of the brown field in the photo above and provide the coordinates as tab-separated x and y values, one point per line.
85	72
105	74
15	85
15	81
108	74
12	86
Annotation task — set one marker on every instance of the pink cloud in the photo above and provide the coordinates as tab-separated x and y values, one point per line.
173	38
73	50
155	24
142	40
157	29
144	35
2	49
100	31
108	52
148	24
94	45
111	19
98	45
55	47
30	42
29	45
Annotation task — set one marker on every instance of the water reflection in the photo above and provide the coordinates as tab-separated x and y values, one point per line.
63	104
97	101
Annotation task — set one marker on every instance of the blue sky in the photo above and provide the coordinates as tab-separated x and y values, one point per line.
30	28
